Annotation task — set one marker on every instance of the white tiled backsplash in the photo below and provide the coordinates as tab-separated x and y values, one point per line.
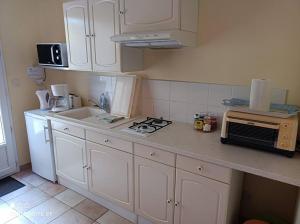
179	101
101	84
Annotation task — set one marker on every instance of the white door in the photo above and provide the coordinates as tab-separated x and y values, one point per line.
199	199
145	15
8	156
78	35
104	21
41	153
154	190
70	158
111	174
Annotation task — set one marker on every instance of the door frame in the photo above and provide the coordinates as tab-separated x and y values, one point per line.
7	102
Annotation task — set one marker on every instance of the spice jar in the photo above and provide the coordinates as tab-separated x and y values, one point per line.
209	123
198	122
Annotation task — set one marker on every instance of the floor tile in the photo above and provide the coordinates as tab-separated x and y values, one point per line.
28	200
70	197
112	218
22	174
72	217
91	209
16	193
34	179
19	220
46	212
6	213
52	189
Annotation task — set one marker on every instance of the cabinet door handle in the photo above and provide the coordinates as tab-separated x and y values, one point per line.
122	12
106	140
46	129
177	203
200	168
152	153
66	129
169	201
85	166
87	35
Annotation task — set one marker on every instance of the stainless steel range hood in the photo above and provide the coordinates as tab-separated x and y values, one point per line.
160	39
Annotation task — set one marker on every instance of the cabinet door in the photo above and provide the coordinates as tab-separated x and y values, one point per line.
199	199
145	15
104	19
70	158
154	190
111	174
78	35
41	154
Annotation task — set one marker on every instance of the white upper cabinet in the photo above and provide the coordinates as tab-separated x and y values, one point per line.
89	25
104	17
200	199
77	35
145	15
155	15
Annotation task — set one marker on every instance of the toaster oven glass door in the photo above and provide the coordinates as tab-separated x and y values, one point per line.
252	135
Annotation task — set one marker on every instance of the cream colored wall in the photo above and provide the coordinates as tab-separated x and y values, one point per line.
238	41
18	35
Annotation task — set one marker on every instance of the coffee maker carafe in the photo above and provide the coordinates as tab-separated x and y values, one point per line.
61	97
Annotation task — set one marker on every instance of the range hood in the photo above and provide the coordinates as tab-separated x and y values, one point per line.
160	39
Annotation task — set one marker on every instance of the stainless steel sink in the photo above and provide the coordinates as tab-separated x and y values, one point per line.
91	116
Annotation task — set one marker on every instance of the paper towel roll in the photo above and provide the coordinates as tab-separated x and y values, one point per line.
260	96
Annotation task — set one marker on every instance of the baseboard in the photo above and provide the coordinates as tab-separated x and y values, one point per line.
25	166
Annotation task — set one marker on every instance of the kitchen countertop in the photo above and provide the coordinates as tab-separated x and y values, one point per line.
182	139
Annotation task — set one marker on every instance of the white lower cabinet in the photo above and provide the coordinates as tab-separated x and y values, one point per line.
154	190
70	158
111	174
199	199
195	192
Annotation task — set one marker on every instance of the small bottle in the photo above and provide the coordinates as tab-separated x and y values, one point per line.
198	122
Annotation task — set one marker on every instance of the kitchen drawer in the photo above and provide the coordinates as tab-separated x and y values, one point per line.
109	141
204	169
68	129
154	154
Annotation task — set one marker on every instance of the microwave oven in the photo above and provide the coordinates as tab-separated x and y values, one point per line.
262	132
52	54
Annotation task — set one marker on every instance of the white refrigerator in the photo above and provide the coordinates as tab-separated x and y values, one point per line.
40	145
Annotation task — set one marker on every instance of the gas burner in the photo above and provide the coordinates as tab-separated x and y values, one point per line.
149	125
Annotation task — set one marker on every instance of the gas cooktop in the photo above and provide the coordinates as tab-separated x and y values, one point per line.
148	126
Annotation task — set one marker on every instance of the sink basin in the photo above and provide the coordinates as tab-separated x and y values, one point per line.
82	113
91	116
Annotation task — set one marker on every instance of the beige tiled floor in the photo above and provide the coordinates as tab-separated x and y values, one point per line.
42	202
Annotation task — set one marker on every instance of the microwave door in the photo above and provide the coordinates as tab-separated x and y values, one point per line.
45	54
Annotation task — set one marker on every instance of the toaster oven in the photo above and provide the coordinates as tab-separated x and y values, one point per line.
260	132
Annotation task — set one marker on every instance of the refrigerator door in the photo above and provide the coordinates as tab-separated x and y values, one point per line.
41	152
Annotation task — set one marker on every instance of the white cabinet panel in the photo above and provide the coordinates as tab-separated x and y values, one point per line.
89	25
77	35
104	17
199	199
70	158
41	152
111	174
145	15
154	190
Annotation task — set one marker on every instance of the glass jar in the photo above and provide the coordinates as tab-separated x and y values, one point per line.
198	122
